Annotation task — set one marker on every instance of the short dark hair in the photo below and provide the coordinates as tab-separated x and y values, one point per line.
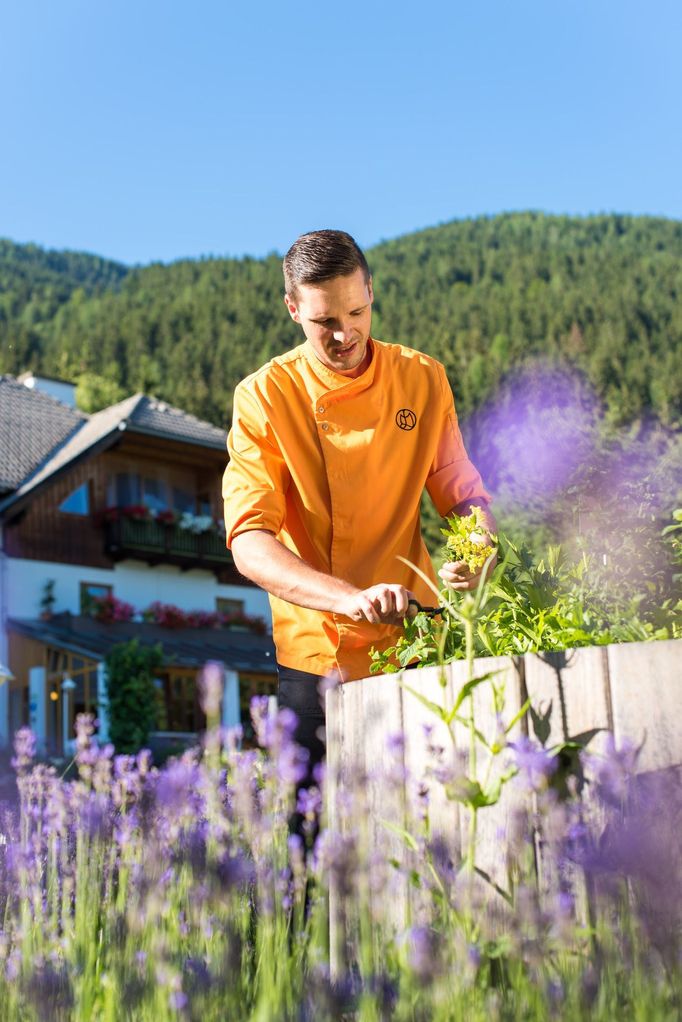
322	255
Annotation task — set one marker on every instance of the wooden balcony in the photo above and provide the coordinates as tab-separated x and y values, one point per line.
156	543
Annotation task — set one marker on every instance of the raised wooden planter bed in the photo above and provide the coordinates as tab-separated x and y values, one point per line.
632	690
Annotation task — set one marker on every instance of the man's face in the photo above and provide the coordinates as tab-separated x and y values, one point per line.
336	318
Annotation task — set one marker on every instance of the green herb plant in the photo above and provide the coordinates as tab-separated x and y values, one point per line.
522	607
550	604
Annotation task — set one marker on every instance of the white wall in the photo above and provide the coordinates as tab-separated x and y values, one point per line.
137	583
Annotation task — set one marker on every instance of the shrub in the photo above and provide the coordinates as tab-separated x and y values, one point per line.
131	693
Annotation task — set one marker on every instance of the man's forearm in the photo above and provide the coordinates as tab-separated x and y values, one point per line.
261	557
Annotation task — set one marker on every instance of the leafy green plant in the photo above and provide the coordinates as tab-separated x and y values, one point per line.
550	604
131	693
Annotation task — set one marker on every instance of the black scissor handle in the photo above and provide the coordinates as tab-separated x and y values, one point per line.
429	611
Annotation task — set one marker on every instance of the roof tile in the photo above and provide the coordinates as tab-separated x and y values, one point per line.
31	425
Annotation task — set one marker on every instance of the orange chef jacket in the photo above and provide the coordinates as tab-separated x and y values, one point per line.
335	468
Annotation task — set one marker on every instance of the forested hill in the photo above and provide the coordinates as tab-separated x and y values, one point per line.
484	295
35	282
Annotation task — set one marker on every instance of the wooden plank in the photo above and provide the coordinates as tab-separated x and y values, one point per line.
427	753
423	756
493	822
573	687
349	785
646	693
634	687
382	723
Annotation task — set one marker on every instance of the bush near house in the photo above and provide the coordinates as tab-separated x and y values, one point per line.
132	697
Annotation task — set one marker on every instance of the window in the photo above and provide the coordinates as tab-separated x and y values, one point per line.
82	698
179	693
225	605
128	488
91	591
204	502
125	489
155	494
183	501
77	502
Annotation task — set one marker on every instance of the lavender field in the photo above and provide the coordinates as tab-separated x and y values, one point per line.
189	892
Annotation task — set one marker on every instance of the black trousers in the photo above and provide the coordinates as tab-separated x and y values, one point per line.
299	691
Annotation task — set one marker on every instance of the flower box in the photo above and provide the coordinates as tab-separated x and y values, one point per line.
382	727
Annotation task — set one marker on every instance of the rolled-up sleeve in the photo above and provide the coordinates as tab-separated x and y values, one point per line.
452	478
256	478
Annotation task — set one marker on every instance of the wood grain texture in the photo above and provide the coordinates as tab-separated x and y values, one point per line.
646	692
634	688
573	687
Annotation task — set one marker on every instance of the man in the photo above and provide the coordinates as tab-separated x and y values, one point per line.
330	449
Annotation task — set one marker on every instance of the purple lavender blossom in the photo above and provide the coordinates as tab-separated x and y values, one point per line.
296	849
176	785
211	683
24	749
197	975
309	802
275	732
328	684
178	1000
292	763
422	953
234	870
530	449
441	857
612	772
259	707
474	956
640	842
535	764
320	774
336	855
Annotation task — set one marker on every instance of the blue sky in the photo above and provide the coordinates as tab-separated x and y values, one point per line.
146	130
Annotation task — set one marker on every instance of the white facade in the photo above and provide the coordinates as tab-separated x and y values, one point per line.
132	581
21	588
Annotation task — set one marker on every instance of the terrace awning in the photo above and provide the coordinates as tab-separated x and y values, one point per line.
240	651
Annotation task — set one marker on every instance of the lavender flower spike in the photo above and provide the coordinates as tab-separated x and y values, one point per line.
211	688
24	749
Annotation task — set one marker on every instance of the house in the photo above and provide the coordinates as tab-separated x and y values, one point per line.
110	529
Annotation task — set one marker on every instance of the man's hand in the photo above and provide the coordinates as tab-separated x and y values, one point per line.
261	557
380	604
456	574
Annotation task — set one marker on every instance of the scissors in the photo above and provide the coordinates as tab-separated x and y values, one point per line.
429	611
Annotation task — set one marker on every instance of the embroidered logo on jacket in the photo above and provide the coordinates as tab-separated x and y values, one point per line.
406	419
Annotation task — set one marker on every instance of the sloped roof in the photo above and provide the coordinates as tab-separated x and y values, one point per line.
157	417
136	414
32	424
186	647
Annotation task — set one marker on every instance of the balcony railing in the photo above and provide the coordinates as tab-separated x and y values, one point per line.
157	543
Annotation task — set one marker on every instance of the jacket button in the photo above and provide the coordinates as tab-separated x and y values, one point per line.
325	426
321	409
